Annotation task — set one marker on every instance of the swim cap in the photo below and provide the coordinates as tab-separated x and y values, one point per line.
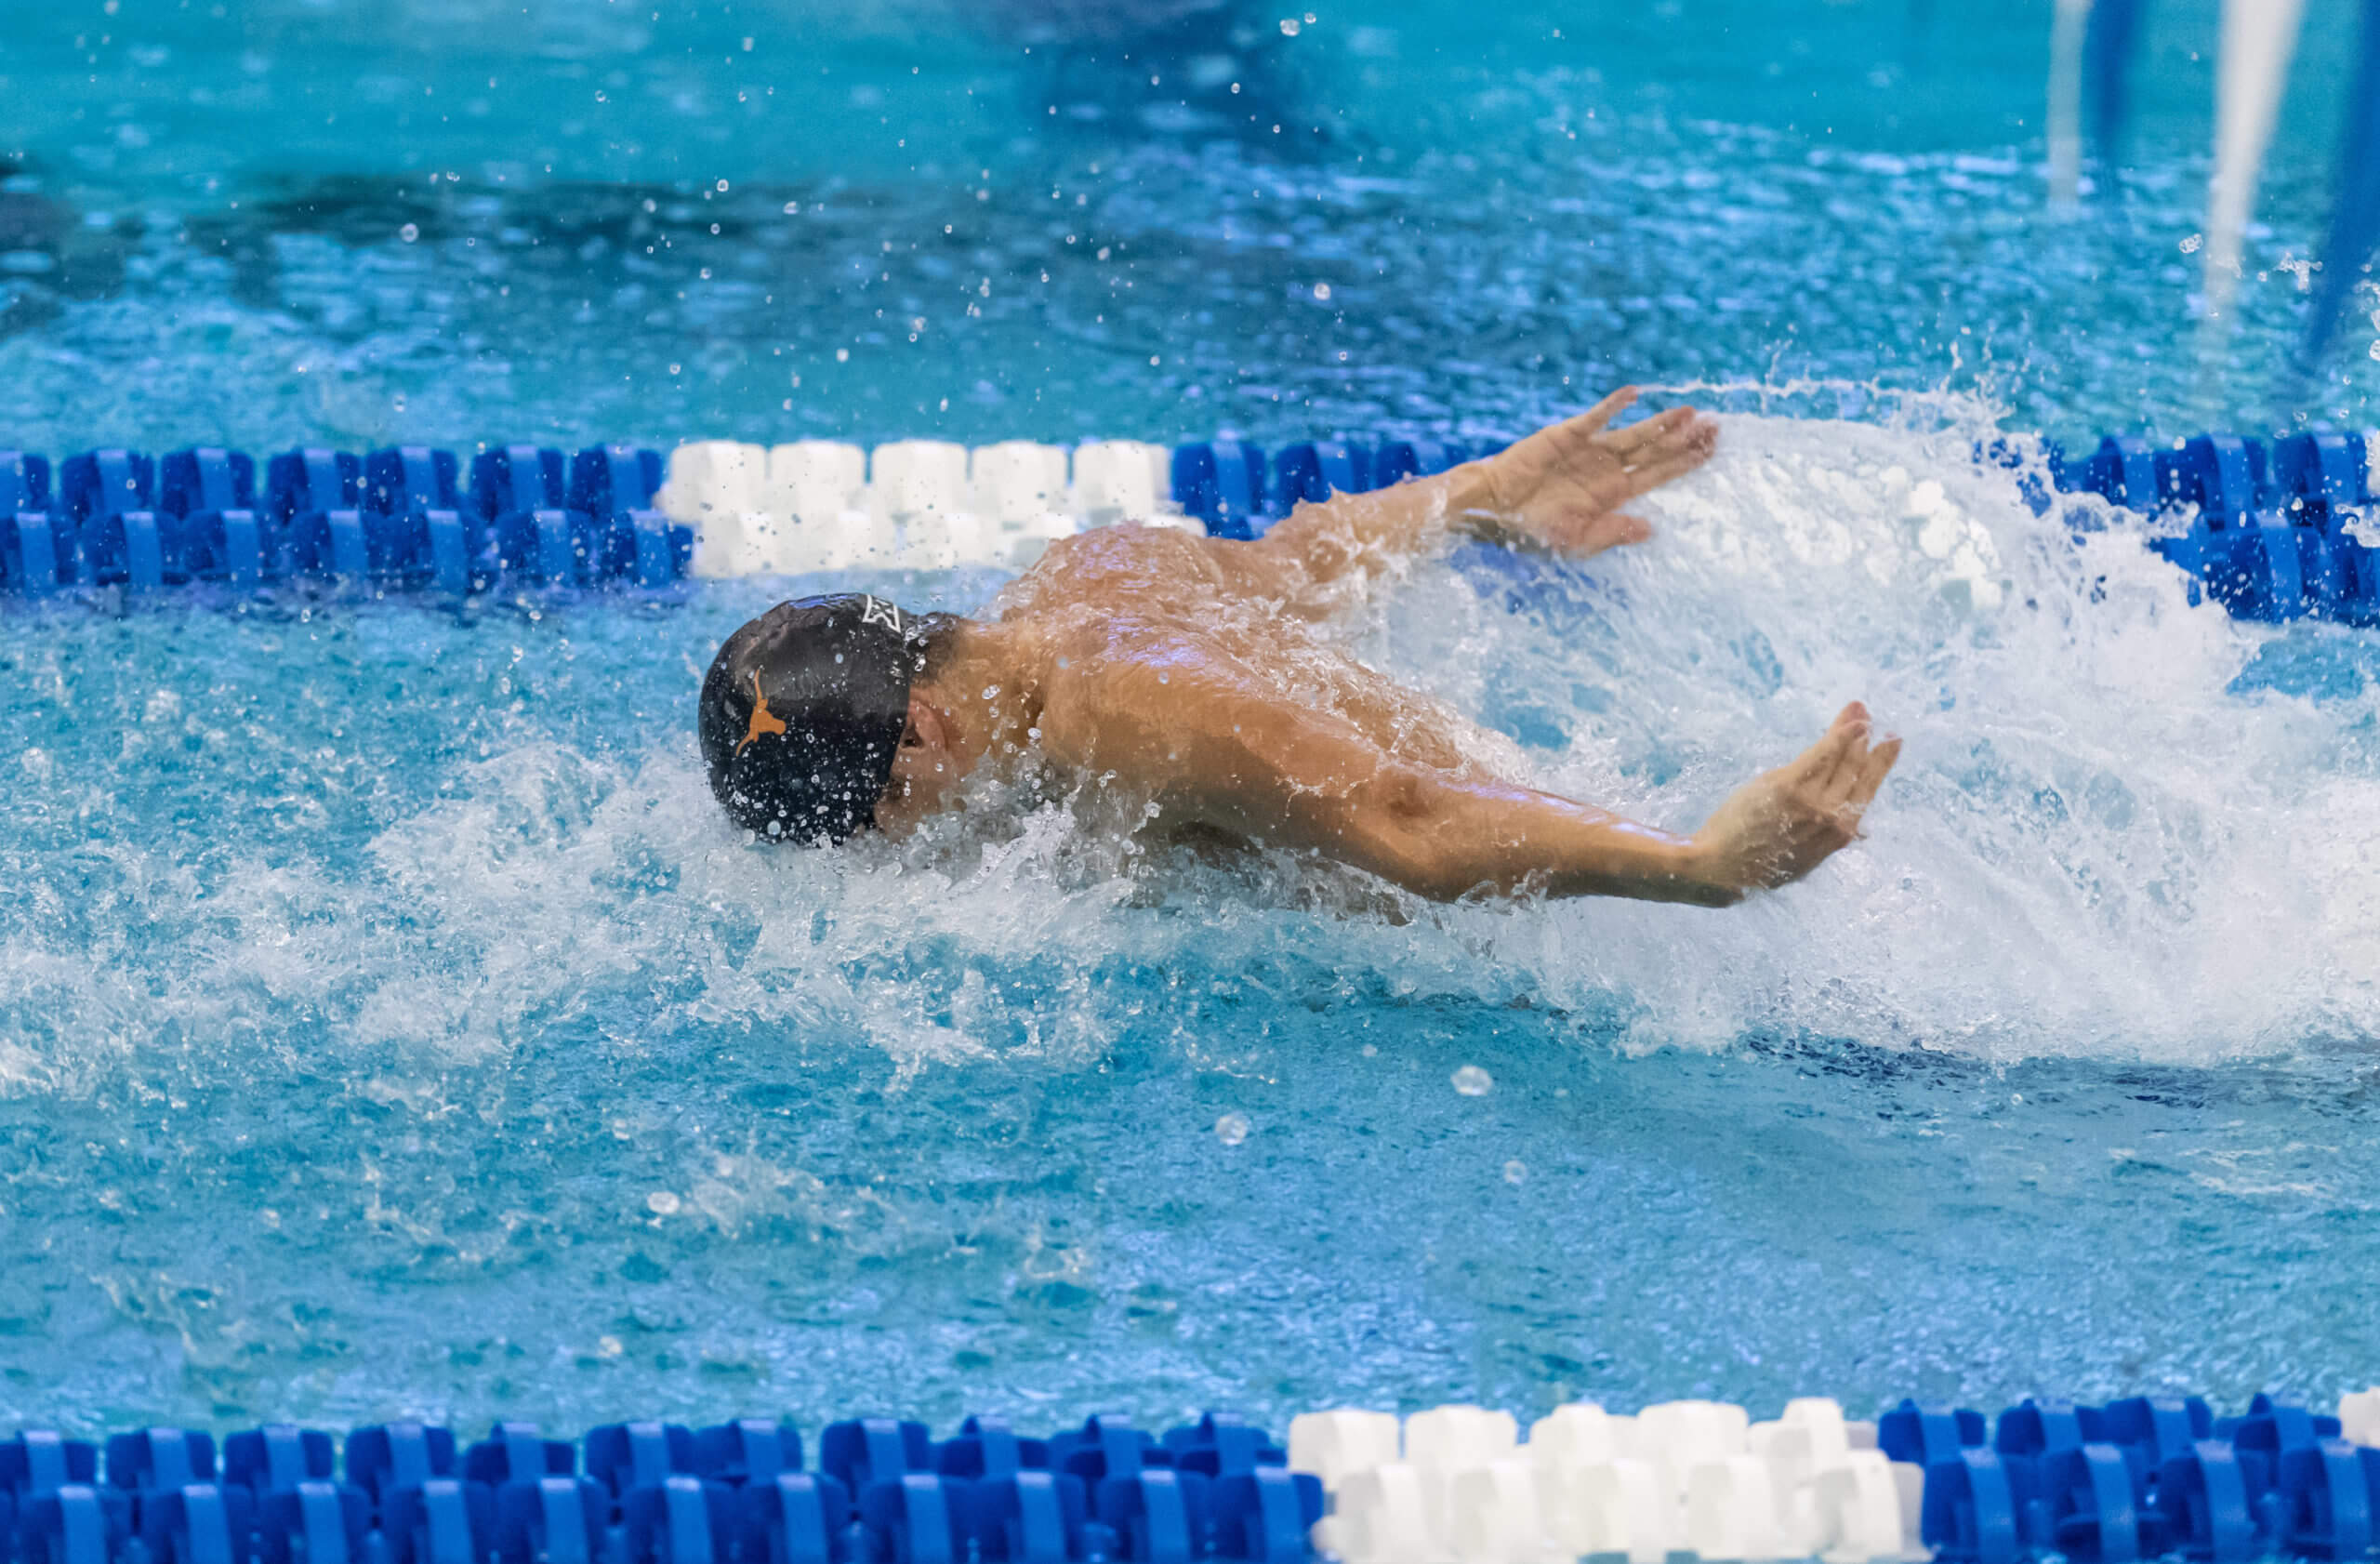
803	709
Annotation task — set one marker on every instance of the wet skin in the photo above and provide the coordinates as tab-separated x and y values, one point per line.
1186	673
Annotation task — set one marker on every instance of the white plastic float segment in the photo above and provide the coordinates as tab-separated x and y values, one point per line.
1731	1510
719	489
1679	1435
1450	1439
1855	1513
1122	480
1379	1517
1580	1435
1614	1508
918	478
1493	1517
2360	1417
1016	481
1908	1481
1334	1446
1811	1437
920	488
819	487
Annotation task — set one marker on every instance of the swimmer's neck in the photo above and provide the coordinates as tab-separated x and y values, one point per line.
980	703
988	688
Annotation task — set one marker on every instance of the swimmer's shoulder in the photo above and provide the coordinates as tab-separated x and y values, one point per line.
1118	564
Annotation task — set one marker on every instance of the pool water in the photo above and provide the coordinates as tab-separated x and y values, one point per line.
390	1024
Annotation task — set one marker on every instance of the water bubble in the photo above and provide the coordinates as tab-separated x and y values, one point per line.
1371	1050
409	232
1516	1171
1231	1129
1289	27
1473	1082
1322	292
661	1203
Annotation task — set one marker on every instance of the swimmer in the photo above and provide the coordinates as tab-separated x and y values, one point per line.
1184	676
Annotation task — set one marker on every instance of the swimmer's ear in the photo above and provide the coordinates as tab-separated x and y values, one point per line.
924	729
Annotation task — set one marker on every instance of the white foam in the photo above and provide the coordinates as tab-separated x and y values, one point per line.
2091	844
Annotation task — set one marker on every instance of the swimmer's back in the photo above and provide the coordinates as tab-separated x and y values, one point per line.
1149	630
1143	570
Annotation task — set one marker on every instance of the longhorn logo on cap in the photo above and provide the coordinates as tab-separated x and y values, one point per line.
763	720
884	614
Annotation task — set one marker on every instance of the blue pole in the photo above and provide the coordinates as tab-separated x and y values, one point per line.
2355	220
2107	54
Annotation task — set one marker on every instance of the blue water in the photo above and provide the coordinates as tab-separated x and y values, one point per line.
387	1023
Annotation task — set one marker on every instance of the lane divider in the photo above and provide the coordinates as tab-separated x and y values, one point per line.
395	519
2137	1479
2271	533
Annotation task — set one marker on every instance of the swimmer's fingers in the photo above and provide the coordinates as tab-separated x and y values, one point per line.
1593	420
1816	765
1844	780
1872	775
1613	529
1646	477
1654	434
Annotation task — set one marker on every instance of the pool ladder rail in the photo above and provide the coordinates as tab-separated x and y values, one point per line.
2269	531
2135	1479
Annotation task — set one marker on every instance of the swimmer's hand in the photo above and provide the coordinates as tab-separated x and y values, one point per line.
1781	824
1563	487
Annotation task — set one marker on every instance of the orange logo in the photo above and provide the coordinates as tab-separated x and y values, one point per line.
763	720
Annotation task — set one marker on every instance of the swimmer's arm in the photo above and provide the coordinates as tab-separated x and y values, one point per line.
1215	754
1562	489
1447	838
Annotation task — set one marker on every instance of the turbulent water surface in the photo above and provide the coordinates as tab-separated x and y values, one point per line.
390	1024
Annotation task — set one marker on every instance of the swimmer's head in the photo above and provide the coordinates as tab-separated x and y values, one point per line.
805	708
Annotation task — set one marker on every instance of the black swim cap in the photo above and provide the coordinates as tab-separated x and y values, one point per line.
803	709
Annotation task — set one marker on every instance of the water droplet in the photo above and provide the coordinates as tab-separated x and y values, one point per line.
1231	1129
661	1203
1473	1082
1516	1171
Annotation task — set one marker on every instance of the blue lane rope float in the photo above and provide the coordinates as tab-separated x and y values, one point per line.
2139	1478
396	519
2269	531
